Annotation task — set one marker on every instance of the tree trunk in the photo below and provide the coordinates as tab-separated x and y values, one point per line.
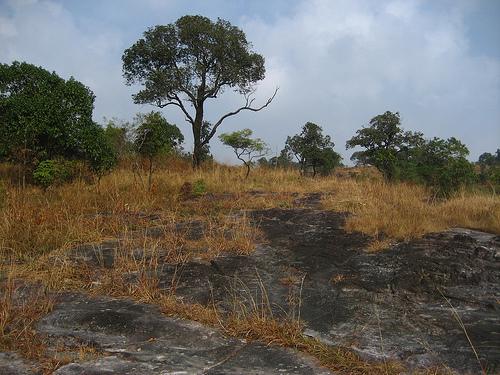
198	147
248	170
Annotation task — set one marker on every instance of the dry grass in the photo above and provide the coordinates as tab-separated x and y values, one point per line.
402	211
18	317
39	229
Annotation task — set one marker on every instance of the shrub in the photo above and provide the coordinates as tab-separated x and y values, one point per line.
199	187
55	172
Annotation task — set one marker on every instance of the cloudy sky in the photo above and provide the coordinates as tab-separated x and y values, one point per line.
338	63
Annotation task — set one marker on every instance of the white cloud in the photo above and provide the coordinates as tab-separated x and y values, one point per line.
342	62
338	63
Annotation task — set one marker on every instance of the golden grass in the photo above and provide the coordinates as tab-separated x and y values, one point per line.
39	228
403	211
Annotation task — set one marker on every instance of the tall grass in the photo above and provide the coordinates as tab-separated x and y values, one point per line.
403	211
34	221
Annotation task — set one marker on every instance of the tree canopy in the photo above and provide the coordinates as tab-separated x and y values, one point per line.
245	148
384	141
155	135
489	165
313	150
43	116
407	155
186	63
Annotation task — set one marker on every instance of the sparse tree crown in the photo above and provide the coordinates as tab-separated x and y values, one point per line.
246	148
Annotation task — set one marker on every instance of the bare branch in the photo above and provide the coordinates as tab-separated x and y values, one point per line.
247	106
175	100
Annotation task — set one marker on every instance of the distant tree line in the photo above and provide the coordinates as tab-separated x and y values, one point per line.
46	124
408	156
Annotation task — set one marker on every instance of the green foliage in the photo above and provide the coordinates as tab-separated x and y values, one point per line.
42	112
283	160
98	151
199	188
384	143
155	135
245	148
188	62
438	163
489	165
312	150
54	172
43	117
117	137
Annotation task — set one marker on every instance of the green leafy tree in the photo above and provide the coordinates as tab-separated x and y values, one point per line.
155	136
44	117
283	160
489	165
443	164
313	150
245	148
189	62
398	154
384	143
98	152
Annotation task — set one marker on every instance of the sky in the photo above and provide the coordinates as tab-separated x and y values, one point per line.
337	63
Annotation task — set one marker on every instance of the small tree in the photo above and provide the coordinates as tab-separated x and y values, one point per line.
489	165
118	135
312	150
189	62
245	148
154	136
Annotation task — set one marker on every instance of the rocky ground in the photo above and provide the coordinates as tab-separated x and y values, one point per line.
426	302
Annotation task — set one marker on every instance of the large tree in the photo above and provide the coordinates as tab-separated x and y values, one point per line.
193	60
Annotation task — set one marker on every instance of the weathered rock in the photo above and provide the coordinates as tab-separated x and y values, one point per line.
408	302
405	303
12	364
142	340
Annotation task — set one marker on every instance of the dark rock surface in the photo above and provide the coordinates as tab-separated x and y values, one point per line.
12	364
404	303
141	340
407	302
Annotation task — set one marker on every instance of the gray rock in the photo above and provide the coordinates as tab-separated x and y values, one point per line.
405	303
142	340
13	364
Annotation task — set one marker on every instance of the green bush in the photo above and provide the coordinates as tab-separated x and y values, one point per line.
199	188
55	172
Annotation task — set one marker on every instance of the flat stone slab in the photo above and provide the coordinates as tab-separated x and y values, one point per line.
405	303
13	364
138	339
